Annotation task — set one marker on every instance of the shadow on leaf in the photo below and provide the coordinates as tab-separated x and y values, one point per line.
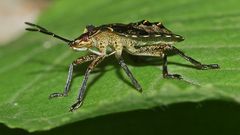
208	118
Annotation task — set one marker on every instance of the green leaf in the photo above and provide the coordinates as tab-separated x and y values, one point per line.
34	66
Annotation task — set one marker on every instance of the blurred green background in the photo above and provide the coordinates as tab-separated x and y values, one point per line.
204	23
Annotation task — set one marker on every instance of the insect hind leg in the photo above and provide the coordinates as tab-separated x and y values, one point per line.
156	51
165	70
198	64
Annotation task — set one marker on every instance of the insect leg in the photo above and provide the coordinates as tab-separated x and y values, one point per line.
165	70
82	90
128	72
157	51
195	62
80	60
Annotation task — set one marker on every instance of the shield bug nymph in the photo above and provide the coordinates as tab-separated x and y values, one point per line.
141	38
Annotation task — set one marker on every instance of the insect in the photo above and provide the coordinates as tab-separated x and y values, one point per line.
142	38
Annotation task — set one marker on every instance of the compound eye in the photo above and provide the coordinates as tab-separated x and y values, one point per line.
85	38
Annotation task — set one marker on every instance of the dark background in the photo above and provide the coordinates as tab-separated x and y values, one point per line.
205	118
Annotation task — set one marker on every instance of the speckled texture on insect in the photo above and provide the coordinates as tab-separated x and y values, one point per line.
141	38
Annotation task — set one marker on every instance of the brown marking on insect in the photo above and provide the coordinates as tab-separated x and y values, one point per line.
84	59
141	38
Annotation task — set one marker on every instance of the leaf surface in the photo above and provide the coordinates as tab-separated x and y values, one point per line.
34	65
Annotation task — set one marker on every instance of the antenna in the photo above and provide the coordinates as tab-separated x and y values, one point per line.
45	31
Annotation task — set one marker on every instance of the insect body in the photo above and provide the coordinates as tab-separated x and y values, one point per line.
141	38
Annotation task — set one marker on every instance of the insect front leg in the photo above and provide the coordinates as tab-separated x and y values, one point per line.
82	90
193	61
78	61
